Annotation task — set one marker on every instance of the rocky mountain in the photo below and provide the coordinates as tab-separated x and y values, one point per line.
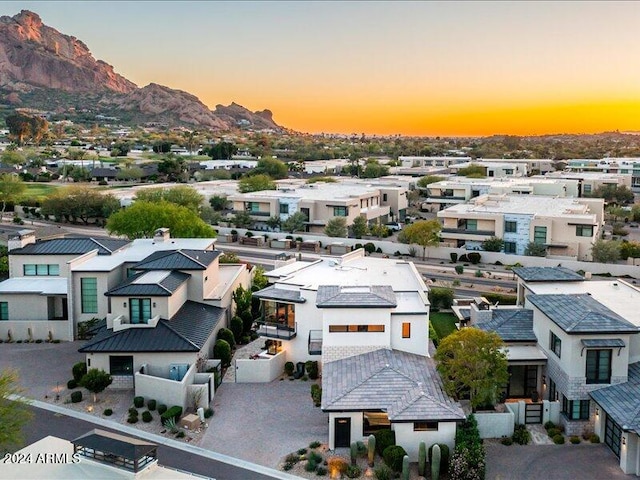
45	69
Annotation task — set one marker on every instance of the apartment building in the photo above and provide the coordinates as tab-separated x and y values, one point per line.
567	227
589	182
320	202
422	162
506	167
620	166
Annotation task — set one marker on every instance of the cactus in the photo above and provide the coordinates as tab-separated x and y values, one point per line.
422	459
405	467
435	462
371	449
353	452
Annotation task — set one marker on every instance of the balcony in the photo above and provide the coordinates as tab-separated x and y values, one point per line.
252	213
464	231
277	330
315	342
444	197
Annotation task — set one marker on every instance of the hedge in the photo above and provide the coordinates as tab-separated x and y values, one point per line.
174	412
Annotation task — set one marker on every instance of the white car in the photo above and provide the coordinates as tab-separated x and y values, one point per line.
394	226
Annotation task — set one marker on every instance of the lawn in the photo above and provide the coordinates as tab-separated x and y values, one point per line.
38	190
443	323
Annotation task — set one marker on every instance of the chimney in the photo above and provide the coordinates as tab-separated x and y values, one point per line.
21	239
162	235
479	311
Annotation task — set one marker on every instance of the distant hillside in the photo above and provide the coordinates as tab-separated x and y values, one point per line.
44	69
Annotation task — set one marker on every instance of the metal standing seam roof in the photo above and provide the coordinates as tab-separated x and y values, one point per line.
513	325
71	246
178	260
187	331
405	385
603	342
621	402
136	285
547	274
375	296
580	313
274	293
115	444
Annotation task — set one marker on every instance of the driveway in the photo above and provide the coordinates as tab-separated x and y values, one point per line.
551	462
263	422
41	366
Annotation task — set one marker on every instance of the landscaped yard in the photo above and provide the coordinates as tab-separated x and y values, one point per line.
443	323
38	191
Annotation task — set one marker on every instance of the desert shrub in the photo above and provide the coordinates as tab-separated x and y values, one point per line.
71	384
151	405
314	444
287	466
174	412
369	247
506	441
107	412
459	269
146	416
138	402
521	435
474	257
162	408
453	256
132	419
292	458
463	258
558	439
594	438
353	471
316	457
549	425
180	434
552	432
574	440
302	451
76	396
312	369
310	466
321	471
79	370
383	473
393	456
208	413
289	367
384	438
133	411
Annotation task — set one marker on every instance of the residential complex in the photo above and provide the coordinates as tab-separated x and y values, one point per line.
622	166
503	167
567	227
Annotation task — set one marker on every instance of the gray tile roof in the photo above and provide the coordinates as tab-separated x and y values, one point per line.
512	324
178	260
273	293
547	274
187	331
138	285
603	342
404	385
621	401
71	246
375	296
580	313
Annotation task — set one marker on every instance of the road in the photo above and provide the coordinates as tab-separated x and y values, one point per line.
48	423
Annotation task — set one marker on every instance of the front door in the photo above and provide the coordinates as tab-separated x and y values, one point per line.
342	432
612	435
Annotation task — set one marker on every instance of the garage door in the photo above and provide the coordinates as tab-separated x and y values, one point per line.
612	435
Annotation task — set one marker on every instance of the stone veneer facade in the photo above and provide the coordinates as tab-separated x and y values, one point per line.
122	382
333	353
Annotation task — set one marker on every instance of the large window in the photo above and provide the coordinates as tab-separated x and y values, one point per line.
555	344
553	392
284	208
472	225
41	270
584	230
510	226
355	328
406	330
252	207
575	409
89	294
140	310
509	247
540	235
120	365
340	211
4	311
599	366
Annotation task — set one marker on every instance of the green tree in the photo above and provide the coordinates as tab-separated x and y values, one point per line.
635	213
336	227
535	250
273	222
359	227
96	381
473	170
182	195
13	157
260	280
221	151
374	169
174	169
619	194
256	183
606	251
294	223
428	180
493	244
161	147
142	219
133	173
379	230
219	202
82	203
272	167
628	249
14	413
242	220
425	233
472	362
11	190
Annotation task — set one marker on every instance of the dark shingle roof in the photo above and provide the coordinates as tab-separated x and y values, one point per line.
621	401
273	293
547	274
71	246
404	385
150	284
178	260
375	296
580	313
513	325
104	172
187	331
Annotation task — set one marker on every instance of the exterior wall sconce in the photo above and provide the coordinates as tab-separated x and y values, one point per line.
597	412
544	380
124	304
624	440
154	304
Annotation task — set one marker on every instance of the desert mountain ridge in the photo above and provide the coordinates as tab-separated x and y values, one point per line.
45	69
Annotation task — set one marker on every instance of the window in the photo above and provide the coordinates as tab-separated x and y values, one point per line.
425	426
555	344
508	171
284	208
355	328
472	225
120	365
587	189
89	294
510	226
540	235
252	207
598	366
575	409
384	197
4	311
584	230
406	330
509	247
42	270
140	310
553	392
340	211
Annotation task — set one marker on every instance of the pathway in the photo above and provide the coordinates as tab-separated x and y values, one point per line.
243	352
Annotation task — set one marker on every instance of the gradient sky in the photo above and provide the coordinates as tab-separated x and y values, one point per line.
414	68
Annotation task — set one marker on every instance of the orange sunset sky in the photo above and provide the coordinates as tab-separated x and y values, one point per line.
413	68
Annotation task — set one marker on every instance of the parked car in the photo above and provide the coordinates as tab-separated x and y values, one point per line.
394	226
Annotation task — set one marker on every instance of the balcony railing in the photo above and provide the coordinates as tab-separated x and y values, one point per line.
468	232
444	197
276	330
315	342
252	213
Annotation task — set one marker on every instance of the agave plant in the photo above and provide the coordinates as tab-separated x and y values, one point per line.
170	424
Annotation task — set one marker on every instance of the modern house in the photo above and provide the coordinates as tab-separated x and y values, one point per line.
620	166
503	167
367	321
566	227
